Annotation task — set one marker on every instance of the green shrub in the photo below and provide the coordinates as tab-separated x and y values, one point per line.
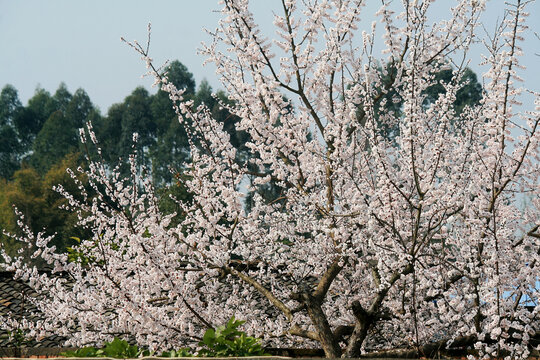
224	341
229	341
183	352
115	349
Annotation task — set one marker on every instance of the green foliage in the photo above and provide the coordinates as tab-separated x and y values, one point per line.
168	197
59	135
56	219
115	132
53	142
88	351
41	106
227	340
469	94
34	197
179	75
9	151
224	341
17	338
171	149
183	352
10	146
117	348
25	193
121	349
9	104
77	254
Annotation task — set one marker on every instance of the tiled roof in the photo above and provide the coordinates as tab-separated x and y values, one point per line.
15	302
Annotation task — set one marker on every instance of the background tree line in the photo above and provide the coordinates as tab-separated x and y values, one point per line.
39	141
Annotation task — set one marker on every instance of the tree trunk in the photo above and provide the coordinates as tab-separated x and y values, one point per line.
363	323
326	337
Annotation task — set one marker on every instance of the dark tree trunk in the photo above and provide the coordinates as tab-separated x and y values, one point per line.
318	318
361	328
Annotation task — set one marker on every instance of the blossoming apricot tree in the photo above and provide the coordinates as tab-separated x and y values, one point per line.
416	241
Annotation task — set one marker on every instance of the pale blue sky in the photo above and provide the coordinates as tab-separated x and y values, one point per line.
45	42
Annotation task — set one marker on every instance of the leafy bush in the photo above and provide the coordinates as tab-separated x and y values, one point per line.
117	348
229	341
16	338
183	352
225	340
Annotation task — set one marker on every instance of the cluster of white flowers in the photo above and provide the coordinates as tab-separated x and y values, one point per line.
410	240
